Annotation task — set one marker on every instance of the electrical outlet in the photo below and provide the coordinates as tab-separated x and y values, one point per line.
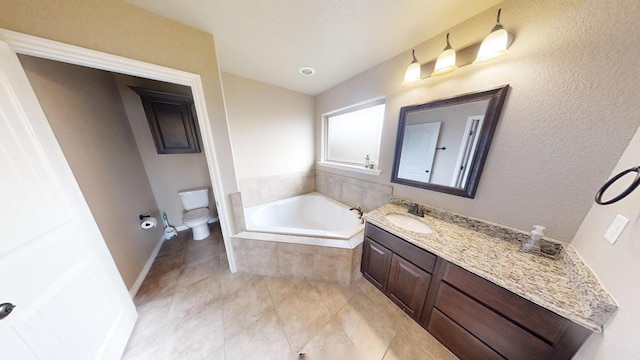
615	229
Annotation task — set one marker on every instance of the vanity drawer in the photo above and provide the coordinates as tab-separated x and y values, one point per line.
419	257
536	319
505	337
455	337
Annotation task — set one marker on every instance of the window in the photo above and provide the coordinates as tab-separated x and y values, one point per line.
353	133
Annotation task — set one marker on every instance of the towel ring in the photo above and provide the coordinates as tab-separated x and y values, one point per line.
623	194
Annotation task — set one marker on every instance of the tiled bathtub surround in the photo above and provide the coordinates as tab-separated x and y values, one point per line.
297	261
261	190
238	211
353	192
565	286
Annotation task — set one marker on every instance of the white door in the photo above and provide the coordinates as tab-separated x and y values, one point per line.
418	151
71	302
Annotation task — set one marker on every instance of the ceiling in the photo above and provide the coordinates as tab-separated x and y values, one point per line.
269	40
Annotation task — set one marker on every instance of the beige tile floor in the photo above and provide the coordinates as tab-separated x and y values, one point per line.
191	307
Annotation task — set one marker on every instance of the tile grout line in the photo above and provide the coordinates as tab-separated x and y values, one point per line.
327	323
280	322
390	315
389	346
224	338
340	325
400	329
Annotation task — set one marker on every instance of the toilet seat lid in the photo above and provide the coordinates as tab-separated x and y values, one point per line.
197	214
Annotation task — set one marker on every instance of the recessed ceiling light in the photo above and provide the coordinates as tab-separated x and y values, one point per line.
307	71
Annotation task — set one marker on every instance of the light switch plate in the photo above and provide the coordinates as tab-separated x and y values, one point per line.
616	228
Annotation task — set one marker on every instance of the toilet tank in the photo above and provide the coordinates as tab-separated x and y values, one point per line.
194	198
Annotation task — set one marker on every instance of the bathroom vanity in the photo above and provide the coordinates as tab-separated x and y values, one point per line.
480	296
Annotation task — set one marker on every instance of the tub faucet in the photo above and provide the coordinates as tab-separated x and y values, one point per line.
360	213
416	210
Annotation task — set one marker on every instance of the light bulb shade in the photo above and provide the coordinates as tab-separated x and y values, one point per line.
413	73
446	63
493	46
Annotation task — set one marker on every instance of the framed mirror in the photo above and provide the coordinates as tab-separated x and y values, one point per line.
442	145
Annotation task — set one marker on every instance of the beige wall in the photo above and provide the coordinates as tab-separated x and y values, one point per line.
616	265
168	173
84	109
272	128
569	114
118	28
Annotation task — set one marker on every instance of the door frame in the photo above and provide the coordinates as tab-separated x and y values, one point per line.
467	150
53	50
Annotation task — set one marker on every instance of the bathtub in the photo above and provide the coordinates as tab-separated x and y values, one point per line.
313	215
309	236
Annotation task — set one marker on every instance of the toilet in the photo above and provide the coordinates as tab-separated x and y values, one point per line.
196	202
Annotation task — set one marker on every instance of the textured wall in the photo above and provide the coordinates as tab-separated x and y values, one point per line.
168	173
567	119
84	109
264	189
271	128
353	192
616	265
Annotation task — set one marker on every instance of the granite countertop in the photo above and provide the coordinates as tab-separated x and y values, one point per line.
565	286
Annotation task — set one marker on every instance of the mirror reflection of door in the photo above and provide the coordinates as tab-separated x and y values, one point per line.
418	151
467	151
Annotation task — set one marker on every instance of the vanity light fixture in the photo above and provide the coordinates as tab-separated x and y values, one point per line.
495	44
413	71
446	62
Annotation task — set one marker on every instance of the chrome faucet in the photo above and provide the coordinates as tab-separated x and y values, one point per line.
360	213
416	210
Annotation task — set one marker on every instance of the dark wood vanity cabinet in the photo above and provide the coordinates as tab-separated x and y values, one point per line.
385	265
376	262
473	317
506	324
408	286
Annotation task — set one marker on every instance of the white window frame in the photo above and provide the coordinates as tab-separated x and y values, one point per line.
324	163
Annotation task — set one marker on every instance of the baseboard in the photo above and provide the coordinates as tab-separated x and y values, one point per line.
145	270
213	219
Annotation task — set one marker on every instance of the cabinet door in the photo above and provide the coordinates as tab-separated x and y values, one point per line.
408	285
376	261
172	121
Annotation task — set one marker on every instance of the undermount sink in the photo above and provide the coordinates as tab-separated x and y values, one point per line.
409	223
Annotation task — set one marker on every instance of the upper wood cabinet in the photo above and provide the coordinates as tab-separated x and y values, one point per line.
171	119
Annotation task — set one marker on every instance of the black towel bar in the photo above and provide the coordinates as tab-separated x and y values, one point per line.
626	191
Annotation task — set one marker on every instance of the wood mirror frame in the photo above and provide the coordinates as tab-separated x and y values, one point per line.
496	99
